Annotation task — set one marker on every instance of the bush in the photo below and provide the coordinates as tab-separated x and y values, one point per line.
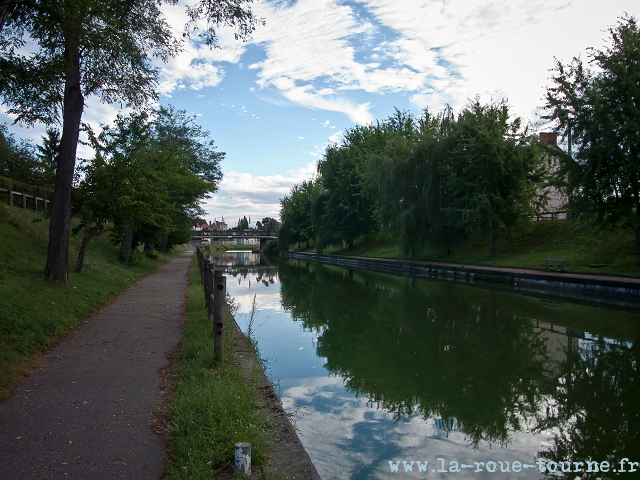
272	248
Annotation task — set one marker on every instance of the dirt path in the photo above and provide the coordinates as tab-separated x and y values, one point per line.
85	413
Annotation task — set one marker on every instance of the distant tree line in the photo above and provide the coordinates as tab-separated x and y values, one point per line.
435	179
150	171
425	180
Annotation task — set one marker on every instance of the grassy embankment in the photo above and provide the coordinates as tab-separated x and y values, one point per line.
241	247
35	313
213	407
581	243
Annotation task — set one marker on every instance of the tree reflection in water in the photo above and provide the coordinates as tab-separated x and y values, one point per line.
596	415
475	360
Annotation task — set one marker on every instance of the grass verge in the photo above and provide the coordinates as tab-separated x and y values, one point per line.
241	247
35	313
581	243
213	406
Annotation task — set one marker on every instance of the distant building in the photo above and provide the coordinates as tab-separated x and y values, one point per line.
218	226
556	206
201	226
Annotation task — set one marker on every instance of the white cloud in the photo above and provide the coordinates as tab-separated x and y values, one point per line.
306	42
334	138
498	48
318	52
255	195
197	65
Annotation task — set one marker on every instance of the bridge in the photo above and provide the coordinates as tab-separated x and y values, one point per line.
264	235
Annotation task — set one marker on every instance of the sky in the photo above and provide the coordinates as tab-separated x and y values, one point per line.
319	67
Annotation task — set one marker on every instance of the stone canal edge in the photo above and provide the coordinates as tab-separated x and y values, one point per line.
91	410
286	454
605	289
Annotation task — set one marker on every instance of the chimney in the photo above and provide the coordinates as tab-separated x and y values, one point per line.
550	139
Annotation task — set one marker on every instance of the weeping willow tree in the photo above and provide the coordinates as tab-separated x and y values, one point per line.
441	176
406	177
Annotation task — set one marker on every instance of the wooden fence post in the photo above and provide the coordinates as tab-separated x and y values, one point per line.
24	199
10	197
200	264
219	314
205	281
209	265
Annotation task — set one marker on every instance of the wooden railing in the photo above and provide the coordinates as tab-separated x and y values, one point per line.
215	297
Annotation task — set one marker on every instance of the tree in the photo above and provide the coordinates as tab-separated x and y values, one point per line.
349	207
268	223
18	160
48	154
116	181
296	214
147	178
600	111
405	175
495	171
88	48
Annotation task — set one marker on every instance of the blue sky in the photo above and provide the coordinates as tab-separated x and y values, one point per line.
318	67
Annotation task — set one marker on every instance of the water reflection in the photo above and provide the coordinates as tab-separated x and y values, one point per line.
378	368
240	258
481	363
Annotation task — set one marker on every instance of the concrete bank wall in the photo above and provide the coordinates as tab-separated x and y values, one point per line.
605	291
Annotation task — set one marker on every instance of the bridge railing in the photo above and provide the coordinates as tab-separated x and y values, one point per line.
235	233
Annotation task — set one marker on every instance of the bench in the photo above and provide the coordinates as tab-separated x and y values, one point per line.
558	263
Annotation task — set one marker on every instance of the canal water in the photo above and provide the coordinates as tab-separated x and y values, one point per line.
382	374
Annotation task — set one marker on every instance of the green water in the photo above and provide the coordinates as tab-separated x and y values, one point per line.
378	368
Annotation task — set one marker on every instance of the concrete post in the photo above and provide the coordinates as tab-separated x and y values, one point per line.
10	197
242	460
219	314
35	203
24	200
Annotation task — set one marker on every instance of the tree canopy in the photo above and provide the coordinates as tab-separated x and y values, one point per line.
148	175
86	48
598	108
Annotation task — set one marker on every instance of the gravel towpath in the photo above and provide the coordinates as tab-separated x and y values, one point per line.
85	413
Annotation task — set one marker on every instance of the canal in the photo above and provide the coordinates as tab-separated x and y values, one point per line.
382	374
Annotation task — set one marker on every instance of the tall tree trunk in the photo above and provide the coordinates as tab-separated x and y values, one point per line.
165	238
494	241
57	267
89	234
127	240
85	241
